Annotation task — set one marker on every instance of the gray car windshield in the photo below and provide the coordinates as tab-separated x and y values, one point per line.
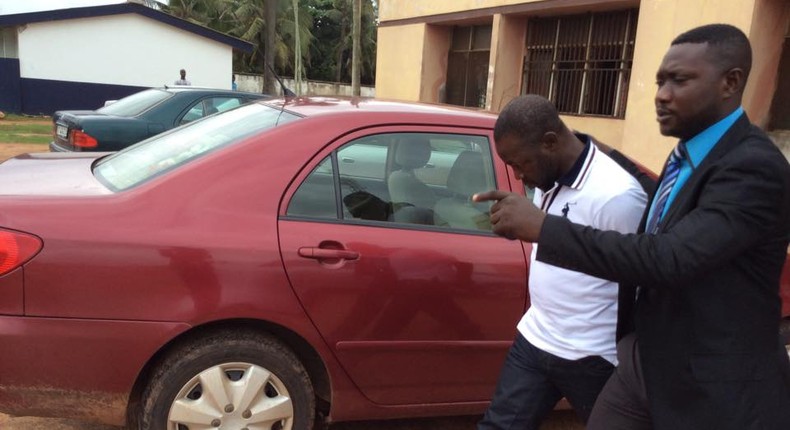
165	152
135	104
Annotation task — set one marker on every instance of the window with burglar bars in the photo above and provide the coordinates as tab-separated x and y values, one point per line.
467	66
582	63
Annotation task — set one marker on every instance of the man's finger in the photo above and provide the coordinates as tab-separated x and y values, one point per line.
489	196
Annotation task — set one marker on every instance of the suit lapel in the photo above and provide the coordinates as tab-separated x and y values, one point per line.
731	138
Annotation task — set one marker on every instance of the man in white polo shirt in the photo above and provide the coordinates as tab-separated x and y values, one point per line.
565	346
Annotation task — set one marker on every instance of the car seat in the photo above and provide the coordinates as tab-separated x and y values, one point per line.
466	177
404	186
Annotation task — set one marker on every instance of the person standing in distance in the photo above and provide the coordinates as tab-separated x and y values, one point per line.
565	346
699	303
183	80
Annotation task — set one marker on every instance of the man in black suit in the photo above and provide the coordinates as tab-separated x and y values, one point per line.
699	308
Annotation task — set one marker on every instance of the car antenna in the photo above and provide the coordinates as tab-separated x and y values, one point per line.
286	91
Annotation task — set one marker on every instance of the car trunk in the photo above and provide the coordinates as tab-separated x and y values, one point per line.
52	174
64	122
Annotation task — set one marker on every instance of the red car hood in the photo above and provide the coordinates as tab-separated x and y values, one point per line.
61	174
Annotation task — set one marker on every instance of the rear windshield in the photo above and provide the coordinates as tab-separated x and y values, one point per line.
164	152
135	104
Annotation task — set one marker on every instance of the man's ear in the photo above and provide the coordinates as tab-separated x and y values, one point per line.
733	82
549	141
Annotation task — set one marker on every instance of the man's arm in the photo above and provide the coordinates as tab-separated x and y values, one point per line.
743	203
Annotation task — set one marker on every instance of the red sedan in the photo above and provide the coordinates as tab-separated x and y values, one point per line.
259	269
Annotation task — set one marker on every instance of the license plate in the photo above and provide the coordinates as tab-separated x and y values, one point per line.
63	131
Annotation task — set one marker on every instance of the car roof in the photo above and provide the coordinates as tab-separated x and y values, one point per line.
206	90
319	106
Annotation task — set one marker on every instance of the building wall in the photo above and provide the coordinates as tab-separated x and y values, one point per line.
403	39
124	49
81	63
254	84
403	9
399	57
434	63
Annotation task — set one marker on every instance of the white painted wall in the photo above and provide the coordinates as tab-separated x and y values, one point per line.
127	49
254	84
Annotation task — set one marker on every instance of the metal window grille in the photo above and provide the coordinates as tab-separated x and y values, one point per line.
467	66
582	63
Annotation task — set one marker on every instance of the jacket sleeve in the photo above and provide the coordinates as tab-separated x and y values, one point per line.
744	201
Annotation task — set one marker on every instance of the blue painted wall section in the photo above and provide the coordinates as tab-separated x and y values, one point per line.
43	96
10	94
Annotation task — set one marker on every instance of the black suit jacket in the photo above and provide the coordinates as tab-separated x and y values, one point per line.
708	312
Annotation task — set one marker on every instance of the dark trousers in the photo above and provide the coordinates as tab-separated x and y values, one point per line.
622	404
532	381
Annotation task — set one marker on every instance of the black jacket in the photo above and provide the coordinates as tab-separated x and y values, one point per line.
708	308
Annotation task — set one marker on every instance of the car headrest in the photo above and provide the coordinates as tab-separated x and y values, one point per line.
413	152
467	176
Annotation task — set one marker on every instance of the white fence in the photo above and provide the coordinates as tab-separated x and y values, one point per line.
254	84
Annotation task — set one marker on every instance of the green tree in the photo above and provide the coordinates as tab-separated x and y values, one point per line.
331	53
324	29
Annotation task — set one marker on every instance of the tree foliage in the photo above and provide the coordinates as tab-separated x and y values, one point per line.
324	33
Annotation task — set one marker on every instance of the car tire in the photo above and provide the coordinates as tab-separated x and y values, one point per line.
230	379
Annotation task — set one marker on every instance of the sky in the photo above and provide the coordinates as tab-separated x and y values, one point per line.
8	7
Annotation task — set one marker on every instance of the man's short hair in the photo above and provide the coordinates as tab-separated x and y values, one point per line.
728	46
528	117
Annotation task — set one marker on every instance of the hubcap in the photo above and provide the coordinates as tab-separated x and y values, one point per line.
232	396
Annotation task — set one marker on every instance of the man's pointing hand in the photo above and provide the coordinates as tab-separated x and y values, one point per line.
513	216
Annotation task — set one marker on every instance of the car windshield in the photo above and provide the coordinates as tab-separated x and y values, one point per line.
135	104
159	154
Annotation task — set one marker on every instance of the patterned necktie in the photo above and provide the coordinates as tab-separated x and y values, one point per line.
662	194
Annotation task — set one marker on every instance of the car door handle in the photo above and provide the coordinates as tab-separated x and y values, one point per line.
321	253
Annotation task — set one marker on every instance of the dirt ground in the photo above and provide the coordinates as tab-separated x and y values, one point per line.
560	420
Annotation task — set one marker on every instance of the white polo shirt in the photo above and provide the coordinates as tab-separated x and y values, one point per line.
573	315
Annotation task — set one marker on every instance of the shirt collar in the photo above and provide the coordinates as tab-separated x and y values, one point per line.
700	145
574	178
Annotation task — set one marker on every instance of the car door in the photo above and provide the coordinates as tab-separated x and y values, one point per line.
417	307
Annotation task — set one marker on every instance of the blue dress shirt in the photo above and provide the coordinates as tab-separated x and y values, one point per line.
697	148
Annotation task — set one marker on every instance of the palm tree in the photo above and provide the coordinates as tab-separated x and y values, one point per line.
356	60
334	22
274	44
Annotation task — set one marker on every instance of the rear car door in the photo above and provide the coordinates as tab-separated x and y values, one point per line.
415	296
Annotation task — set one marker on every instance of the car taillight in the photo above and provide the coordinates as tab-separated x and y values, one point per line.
16	249
79	138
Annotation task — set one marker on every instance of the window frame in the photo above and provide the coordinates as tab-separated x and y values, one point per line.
467	53
501	174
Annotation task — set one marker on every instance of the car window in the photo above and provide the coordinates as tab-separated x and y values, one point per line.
407	178
165	152
310	199
209	106
224	103
137	103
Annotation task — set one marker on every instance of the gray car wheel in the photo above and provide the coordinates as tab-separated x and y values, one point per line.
236	380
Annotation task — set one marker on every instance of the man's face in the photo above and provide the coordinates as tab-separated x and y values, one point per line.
690	88
532	162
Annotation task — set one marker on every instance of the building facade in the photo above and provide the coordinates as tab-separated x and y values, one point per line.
595	59
79	57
